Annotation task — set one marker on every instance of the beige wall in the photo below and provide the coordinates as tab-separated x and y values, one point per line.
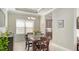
11	22
2	19
63	37
42	24
77	12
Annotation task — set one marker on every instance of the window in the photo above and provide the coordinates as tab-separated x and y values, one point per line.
20	26
29	26
23	26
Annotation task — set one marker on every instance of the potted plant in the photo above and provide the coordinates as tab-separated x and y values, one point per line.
37	32
4	41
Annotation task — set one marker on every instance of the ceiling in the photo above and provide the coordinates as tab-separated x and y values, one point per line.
34	10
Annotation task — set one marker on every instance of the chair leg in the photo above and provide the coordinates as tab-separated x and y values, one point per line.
25	45
77	48
28	47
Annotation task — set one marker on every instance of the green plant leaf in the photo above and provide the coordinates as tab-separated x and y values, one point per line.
4	41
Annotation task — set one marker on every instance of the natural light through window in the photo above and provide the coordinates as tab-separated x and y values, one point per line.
24	26
29	26
19	23
29	23
19	26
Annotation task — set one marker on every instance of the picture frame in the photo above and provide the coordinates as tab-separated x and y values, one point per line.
60	23
77	22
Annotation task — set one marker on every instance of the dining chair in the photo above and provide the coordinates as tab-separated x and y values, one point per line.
36	45
28	42
77	43
44	44
41	45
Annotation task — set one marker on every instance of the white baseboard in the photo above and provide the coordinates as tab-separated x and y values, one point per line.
61	48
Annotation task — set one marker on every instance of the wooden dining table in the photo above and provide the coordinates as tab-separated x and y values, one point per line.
38	43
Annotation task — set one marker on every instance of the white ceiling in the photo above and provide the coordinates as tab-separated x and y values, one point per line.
35	10
32	11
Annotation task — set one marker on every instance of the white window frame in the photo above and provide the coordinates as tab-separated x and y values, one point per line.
24	26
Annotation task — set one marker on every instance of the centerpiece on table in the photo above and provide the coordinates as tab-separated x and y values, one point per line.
37	33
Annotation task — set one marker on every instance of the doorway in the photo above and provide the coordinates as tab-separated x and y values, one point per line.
49	28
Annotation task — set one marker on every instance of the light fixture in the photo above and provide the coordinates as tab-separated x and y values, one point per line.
28	17
31	18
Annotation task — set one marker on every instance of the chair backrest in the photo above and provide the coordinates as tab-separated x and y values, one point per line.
36	45
44	40
44	43
26	37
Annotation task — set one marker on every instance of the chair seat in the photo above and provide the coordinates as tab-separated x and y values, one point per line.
30	41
